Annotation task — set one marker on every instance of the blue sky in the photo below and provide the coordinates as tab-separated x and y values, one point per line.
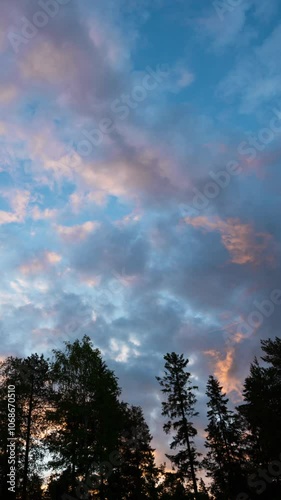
139	184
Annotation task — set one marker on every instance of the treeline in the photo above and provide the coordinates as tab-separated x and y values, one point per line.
76	439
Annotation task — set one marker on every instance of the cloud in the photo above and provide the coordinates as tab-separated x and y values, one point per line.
53	257
43	214
255	78
8	217
97	243
7	94
244	245
48	63
222	367
74	234
41	264
18	200
224	25
185	79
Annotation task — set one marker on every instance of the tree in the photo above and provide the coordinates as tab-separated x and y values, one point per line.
223	458
86	415
203	491
179	407
262	406
59	484
262	412
30	378
272	350
137	475
172	487
36	378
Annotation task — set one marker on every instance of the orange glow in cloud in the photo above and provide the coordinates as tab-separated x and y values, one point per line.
244	245
53	257
222	370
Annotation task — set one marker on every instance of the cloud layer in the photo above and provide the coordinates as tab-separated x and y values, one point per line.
111	119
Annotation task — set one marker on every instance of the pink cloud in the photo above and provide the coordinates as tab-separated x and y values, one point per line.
242	242
18	200
76	233
40	264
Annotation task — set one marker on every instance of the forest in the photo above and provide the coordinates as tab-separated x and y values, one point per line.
67	434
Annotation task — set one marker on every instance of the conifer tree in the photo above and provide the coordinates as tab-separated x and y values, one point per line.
261	411
172	487
179	407
137	475
203	491
262	405
223	459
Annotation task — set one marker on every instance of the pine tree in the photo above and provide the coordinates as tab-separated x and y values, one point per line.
179	407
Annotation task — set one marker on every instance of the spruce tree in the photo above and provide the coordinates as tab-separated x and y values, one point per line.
261	411
262	404
137	475
179	407
223	459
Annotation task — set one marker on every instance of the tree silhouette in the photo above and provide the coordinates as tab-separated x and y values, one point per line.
137	475
179	407
30	378
70	420
86	415
223	458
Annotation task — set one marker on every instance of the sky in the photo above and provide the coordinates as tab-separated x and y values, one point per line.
139	186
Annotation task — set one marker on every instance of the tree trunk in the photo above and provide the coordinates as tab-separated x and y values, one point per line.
192	470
